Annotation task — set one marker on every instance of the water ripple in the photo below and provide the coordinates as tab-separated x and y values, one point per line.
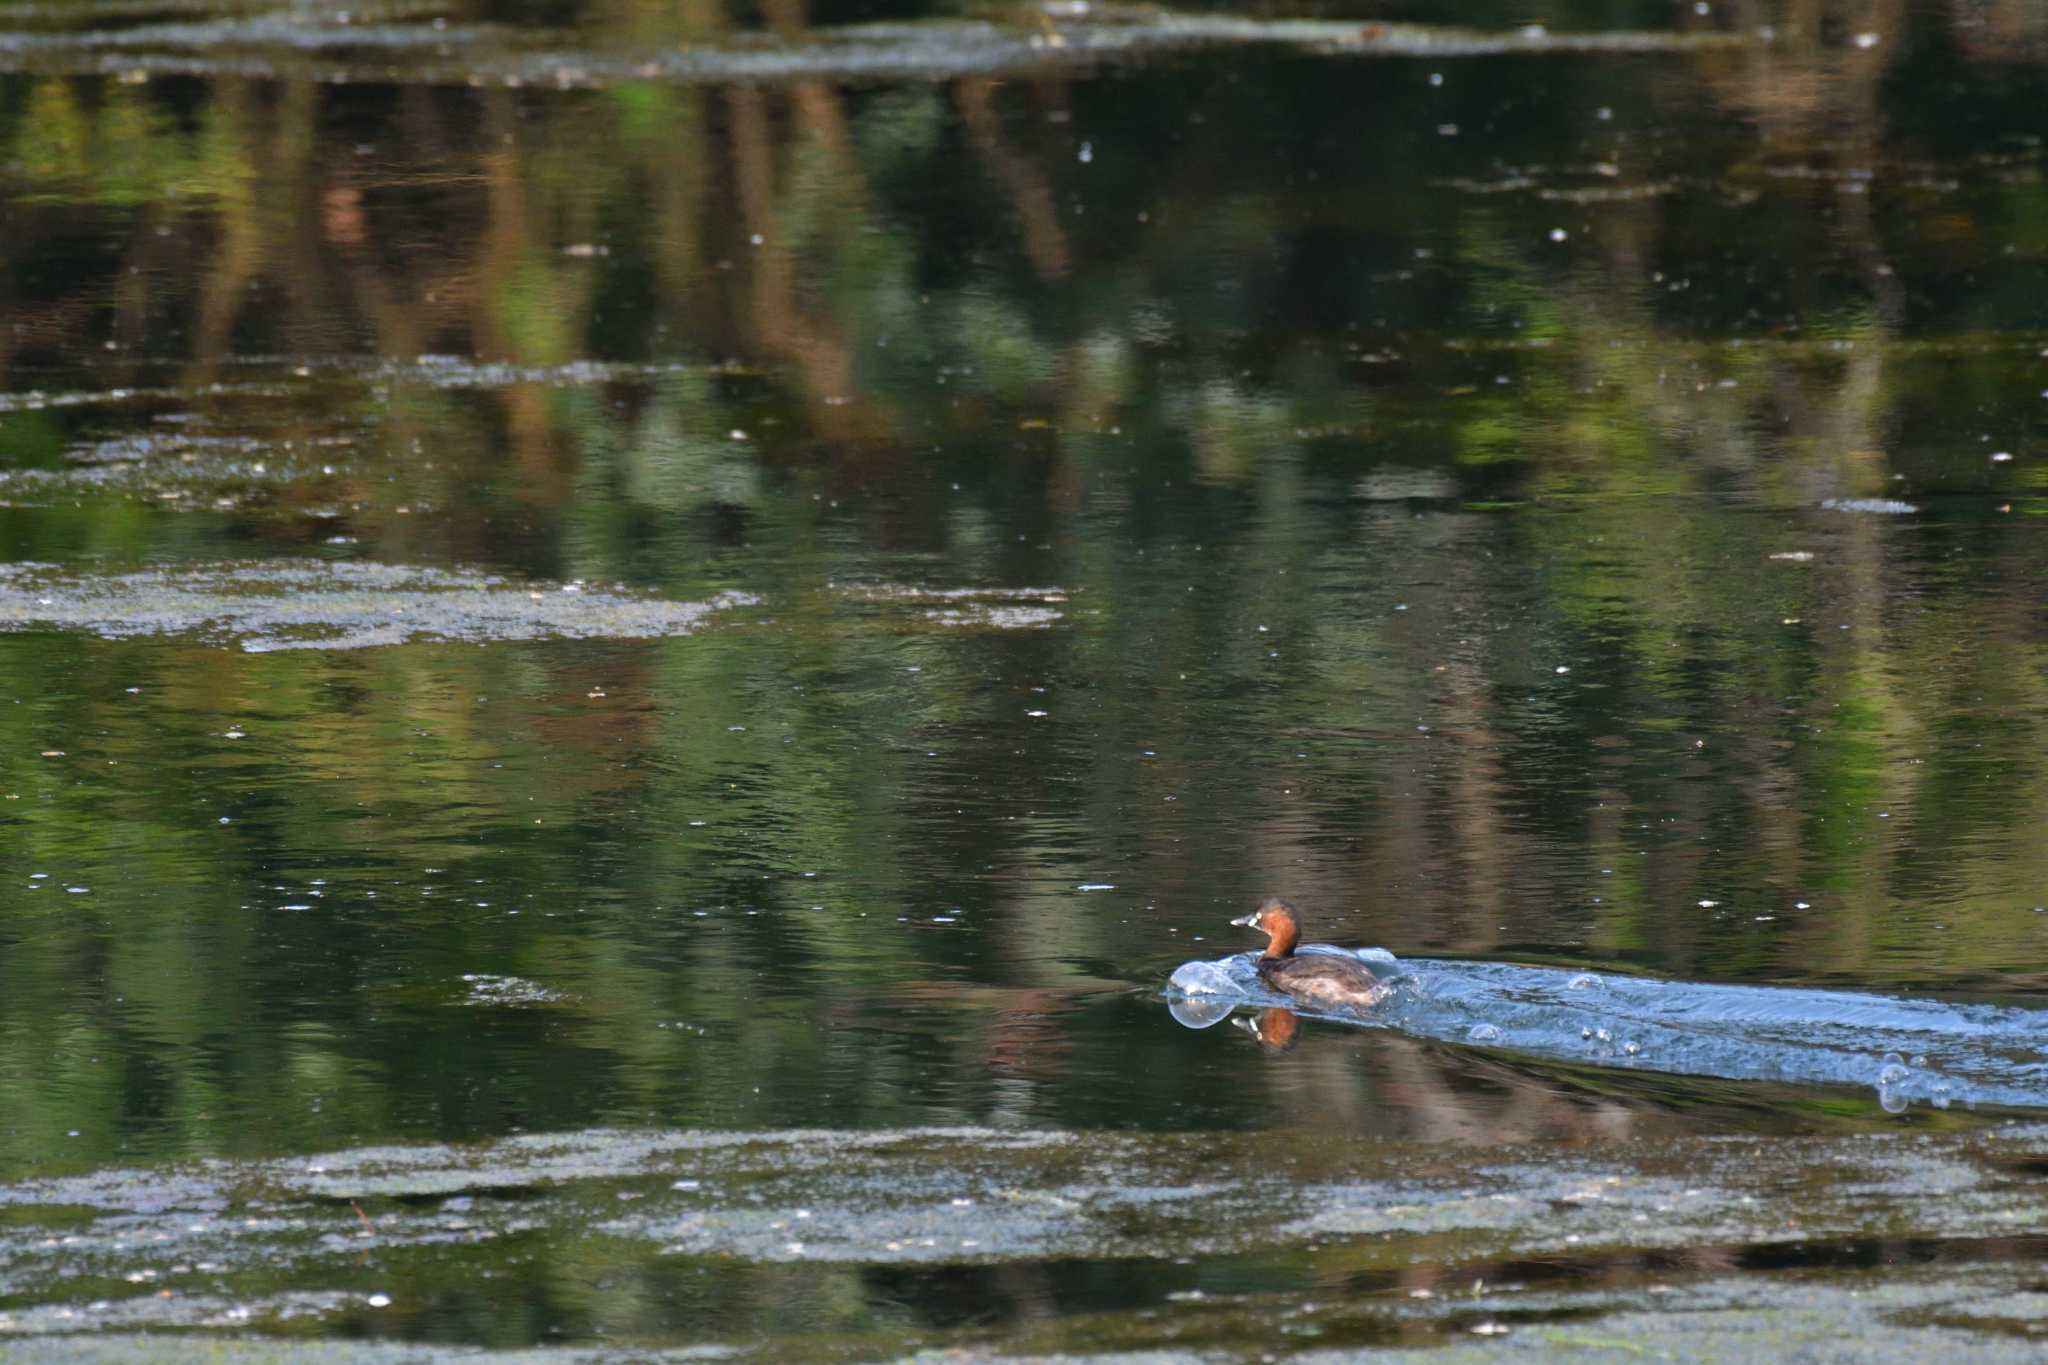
1908	1050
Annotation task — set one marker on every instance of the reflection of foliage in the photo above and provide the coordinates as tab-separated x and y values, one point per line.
1257	426
55	137
118	148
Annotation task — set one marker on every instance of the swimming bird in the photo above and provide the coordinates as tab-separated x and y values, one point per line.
1321	980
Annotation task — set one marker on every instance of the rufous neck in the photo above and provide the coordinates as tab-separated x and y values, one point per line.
1282	937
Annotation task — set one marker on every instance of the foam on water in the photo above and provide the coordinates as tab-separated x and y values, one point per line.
1906	1049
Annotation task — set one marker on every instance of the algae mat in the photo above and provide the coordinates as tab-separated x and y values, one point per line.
1042	1242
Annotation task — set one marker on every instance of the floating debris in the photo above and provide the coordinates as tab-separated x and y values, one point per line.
427	371
1391	483
311	605
1000	618
1890	507
990	608
508	990
905	1197
343	48
898	592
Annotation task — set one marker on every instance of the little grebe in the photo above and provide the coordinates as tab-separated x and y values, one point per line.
1319	979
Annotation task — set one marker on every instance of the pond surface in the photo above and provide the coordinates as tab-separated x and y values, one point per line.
620	601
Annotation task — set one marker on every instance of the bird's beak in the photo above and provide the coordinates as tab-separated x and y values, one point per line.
1250	921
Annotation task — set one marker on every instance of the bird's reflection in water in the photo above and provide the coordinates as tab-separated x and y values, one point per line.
1275	1028
1375	1081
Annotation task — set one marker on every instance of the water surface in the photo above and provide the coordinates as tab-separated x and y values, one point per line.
605	569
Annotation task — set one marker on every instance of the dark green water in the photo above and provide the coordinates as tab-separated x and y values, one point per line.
1572	506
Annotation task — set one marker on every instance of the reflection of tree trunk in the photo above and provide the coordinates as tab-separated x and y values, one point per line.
395	325
505	242
10	232
1474	799
510	246
817	104
1029	191
406	315
1859	432
150	245
774	321
235	261
295	226
824	362
1393	842
1434	1109
426	132
678	194
819	110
